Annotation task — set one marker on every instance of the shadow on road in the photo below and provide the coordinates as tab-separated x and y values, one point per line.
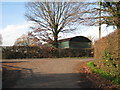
18	79
12	74
13	61
68	80
10	77
19	68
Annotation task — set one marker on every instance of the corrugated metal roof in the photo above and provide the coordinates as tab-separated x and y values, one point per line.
77	38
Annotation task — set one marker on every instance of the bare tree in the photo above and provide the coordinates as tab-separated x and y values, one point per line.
105	12
109	13
44	35
90	14
113	13
55	17
91	38
28	40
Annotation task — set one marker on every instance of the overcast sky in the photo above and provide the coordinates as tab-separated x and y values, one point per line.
14	24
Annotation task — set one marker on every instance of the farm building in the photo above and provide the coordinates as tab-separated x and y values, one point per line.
75	42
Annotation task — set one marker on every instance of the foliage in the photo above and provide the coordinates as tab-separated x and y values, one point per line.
107	55
112	75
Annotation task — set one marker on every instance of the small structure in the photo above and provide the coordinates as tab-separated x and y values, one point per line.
75	42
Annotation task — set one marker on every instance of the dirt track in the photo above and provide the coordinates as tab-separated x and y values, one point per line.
49	73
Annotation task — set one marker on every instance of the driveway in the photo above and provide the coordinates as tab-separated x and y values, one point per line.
49	73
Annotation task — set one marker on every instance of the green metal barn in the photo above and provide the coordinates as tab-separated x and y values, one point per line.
75	42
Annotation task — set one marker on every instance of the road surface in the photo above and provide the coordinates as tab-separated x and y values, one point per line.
49	73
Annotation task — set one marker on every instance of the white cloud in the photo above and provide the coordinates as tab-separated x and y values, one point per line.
11	32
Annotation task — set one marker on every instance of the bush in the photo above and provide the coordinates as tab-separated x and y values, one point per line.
107	55
111	75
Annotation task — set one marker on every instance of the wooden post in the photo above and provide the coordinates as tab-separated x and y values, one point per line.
99	19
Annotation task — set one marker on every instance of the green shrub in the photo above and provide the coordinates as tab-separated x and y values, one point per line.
107	55
114	77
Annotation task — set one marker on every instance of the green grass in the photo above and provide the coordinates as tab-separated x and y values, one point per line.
107	75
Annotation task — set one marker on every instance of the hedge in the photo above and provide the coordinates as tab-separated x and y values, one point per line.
109	44
19	52
107	54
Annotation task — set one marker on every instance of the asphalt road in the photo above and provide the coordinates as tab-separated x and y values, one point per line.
49	73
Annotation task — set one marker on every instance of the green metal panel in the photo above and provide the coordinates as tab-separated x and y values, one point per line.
64	44
80	45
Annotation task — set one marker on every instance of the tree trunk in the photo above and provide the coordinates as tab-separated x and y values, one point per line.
55	40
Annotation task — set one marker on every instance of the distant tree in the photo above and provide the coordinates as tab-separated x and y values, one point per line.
91	38
28	40
54	17
0	39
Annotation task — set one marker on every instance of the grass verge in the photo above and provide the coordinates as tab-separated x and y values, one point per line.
106	75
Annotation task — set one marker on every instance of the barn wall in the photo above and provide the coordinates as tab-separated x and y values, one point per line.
80	45
64	44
